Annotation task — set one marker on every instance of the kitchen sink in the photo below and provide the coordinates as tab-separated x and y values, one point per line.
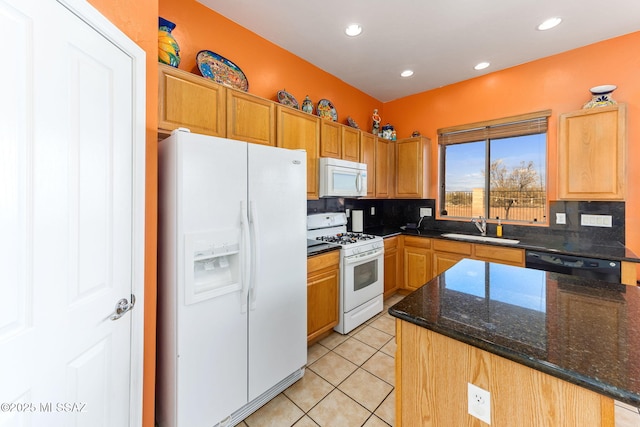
480	238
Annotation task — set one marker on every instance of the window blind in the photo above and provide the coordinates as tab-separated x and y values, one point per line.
525	124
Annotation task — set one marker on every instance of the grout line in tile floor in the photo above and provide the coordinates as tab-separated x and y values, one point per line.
349	381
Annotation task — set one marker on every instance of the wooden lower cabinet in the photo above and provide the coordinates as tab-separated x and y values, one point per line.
432	376
446	253
417	262
629	273
608	314
425	258
323	287
510	256
391	265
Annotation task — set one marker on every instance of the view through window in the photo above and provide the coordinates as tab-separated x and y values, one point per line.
495	171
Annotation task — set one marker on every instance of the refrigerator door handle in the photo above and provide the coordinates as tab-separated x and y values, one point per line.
245	255
255	254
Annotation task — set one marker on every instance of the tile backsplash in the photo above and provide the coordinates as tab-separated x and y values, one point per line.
398	212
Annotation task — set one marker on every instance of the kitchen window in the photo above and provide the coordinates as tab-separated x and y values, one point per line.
495	169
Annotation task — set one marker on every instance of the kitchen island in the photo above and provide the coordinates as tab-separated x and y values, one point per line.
552	350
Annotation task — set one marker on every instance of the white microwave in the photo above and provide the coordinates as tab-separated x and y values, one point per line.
342	178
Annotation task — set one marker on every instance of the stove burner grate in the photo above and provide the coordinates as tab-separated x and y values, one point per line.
346	238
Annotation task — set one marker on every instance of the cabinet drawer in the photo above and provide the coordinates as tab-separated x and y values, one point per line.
461	248
417	242
390	243
499	254
318	262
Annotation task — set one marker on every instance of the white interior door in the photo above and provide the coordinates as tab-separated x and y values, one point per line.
69	221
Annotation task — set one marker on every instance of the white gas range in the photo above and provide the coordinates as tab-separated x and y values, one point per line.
361	268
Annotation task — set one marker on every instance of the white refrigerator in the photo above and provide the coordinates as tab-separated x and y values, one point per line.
232	293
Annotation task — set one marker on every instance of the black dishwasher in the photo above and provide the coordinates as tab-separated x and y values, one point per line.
591	268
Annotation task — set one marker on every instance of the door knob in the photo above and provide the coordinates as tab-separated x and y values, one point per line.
122	306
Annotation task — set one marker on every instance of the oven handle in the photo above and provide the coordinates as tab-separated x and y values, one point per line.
364	257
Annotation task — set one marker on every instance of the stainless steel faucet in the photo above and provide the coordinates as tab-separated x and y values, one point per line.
481	224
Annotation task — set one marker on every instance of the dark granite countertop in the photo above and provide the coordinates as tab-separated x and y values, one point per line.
315	247
582	331
614	251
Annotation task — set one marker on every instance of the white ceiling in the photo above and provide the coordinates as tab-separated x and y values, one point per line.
441	40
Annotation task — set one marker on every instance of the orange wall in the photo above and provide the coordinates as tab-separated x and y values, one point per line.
560	83
138	19
268	67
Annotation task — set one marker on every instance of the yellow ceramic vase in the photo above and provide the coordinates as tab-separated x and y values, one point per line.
168	49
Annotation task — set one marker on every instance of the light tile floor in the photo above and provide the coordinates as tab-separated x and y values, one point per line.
349	382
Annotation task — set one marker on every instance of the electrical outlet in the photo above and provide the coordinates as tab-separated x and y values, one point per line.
596	220
373	210
561	218
425	212
479	403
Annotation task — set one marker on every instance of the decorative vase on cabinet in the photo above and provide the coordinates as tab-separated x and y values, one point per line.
601	96
168	49
307	105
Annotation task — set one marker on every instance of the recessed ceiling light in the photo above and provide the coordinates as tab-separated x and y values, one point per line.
550	23
407	73
353	30
481	66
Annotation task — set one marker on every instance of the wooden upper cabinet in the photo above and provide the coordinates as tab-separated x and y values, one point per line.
250	118
368	157
299	130
330	139
412	168
350	143
591	154
384	168
339	141
189	101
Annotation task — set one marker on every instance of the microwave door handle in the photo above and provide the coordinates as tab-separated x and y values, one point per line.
359	182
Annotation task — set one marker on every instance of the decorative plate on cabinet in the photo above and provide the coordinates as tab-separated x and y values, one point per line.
326	110
221	70
285	98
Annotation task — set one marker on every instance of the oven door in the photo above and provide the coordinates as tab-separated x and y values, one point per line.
362	278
